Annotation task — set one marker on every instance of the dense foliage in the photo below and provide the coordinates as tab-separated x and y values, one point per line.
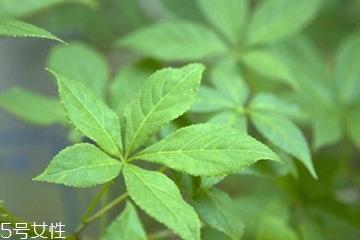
208	88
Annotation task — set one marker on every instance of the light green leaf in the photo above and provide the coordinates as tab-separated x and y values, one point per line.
226	77
348	70
310	230
174	41
80	62
284	134
275	228
269	65
16	28
231	119
218	210
81	165
159	197
208	182
128	81
166	95
275	20
21	8
353	126
90	114
226	15
207	150
126	226
182	9
327	129
32	107
210	100
270	103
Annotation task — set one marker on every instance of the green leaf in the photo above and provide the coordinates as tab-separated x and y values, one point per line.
159	197
81	165
32	107
126	226
218	210
269	65
207	150
166	95
284	134
231	119
210	100
348	70
321	126
274	20
128	81
228	16
226	77
21	8
270	103
80	62
90	114
310	230
275	228
182	9
174	41
353	126
16	28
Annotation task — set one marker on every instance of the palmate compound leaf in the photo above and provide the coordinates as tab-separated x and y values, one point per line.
207	150
32	107
159	197
166	95
217	209
81	62
275	20
81	165
126	226
179	40
17	28
90	114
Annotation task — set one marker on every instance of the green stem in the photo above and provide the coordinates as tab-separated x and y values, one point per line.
102	211
93	204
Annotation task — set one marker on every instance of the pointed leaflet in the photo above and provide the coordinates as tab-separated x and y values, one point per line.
21	8
159	197
80	62
284	134
207	150
166	95
226	15
218	210
126	226
89	114
16	28
174	41
348	70
81	165
275	20
32	107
